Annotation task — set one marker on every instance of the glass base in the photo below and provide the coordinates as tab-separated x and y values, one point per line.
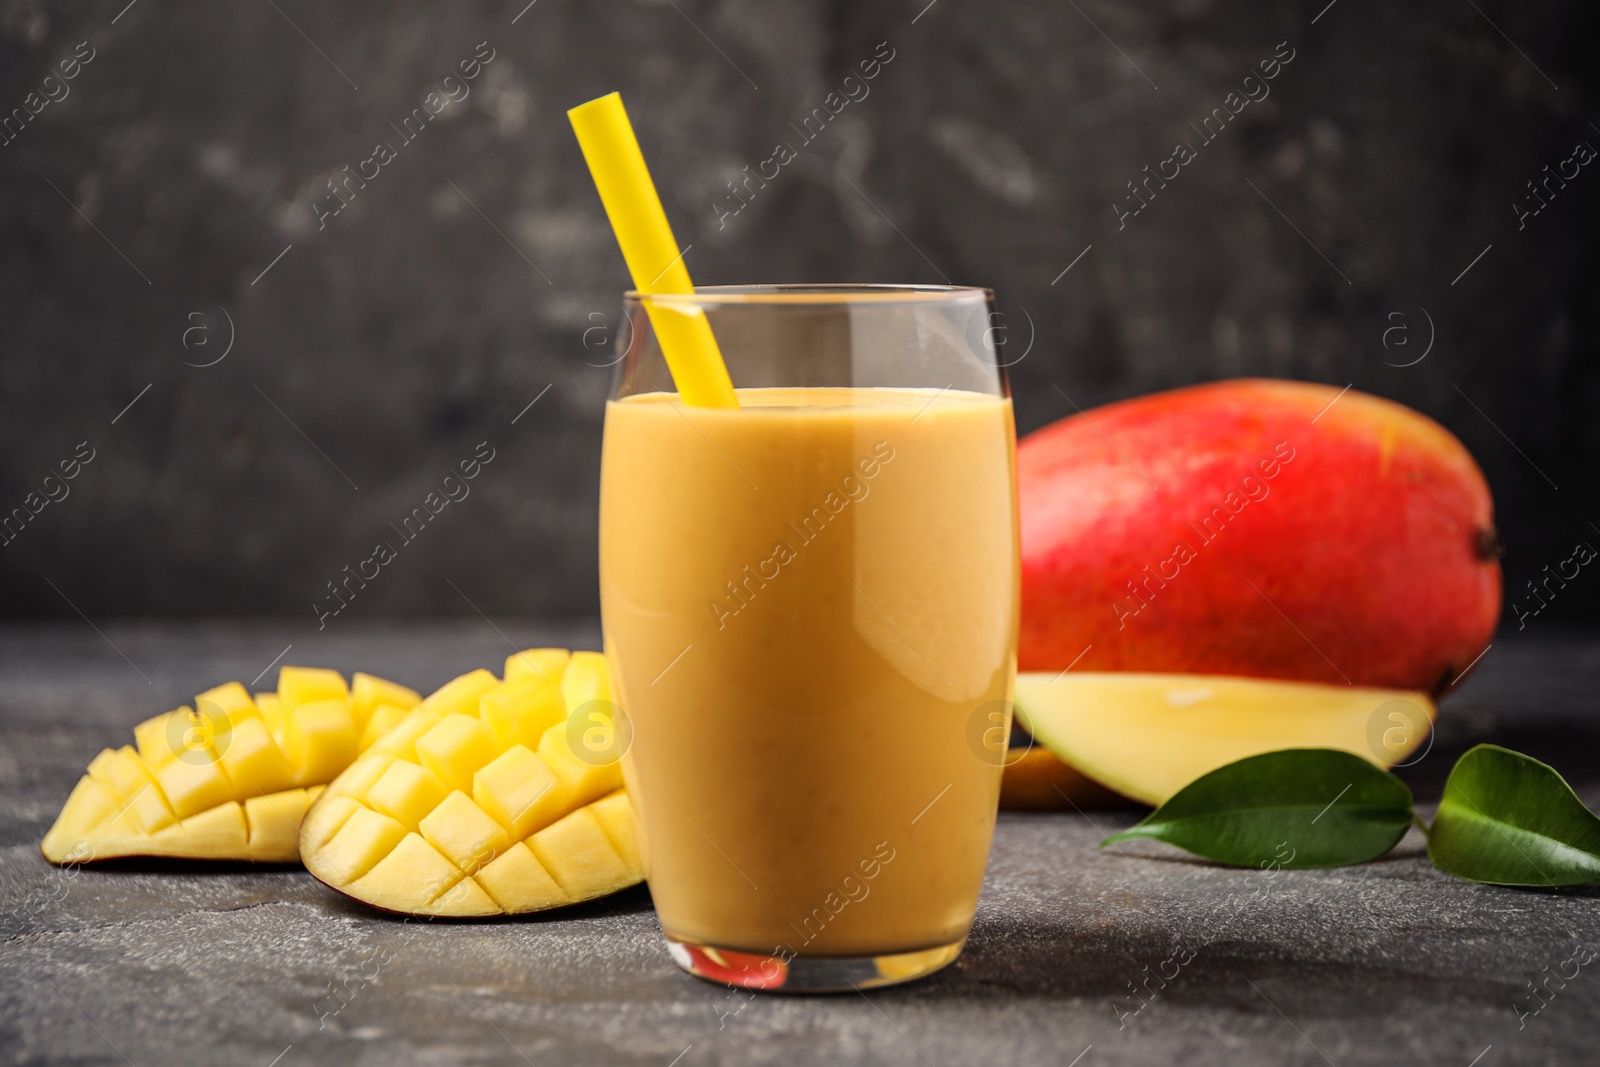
808	974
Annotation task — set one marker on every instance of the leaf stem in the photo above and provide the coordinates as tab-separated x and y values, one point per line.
1417	819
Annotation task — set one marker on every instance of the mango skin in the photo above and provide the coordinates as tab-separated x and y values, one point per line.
1370	544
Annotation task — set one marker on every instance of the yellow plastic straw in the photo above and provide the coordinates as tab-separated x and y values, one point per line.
612	151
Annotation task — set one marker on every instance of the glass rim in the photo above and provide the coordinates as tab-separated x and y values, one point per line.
814	293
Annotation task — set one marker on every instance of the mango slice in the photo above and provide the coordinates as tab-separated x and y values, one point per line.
229	778
1148	735
477	803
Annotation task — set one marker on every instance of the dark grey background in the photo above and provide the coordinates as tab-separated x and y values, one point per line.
458	285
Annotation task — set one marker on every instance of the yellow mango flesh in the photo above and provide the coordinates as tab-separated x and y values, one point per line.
322	739
547	664
308	685
475	804
228	779
227	703
1149	735
521	710
585	679
383	719
369	693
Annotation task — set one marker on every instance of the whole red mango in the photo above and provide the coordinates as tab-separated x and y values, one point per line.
1264	528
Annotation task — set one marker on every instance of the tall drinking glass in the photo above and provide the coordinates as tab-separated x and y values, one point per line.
810	612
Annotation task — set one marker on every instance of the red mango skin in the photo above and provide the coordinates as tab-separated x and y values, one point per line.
1368	557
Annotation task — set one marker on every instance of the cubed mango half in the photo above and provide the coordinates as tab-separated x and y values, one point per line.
230	778
483	807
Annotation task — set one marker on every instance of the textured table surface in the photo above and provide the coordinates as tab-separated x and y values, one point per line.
1392	962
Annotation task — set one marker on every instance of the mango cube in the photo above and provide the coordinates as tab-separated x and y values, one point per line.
325	819
253	761
364	839
520	791
363	774
616	819
459	696
583	780
401	740
519	712
369	693
90	804
384	718
121	769
577	853
150	738
219	827
272	713
308	685
412	868
405	792
273	819
455	748
322	740
518	882
464	833
585	679
546	664
465	899
194	782
129	779
226	704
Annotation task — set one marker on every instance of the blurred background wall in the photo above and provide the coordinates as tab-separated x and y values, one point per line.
267	361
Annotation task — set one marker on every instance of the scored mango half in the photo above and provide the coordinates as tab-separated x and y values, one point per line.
229	778
491	797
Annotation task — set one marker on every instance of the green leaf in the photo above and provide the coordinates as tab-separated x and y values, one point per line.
1508	819
1301	807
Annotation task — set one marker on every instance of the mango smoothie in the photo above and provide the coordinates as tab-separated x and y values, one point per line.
808	601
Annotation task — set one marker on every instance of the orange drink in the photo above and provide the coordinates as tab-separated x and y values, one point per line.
809	600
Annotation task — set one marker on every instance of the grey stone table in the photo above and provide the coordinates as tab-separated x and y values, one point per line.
153	964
